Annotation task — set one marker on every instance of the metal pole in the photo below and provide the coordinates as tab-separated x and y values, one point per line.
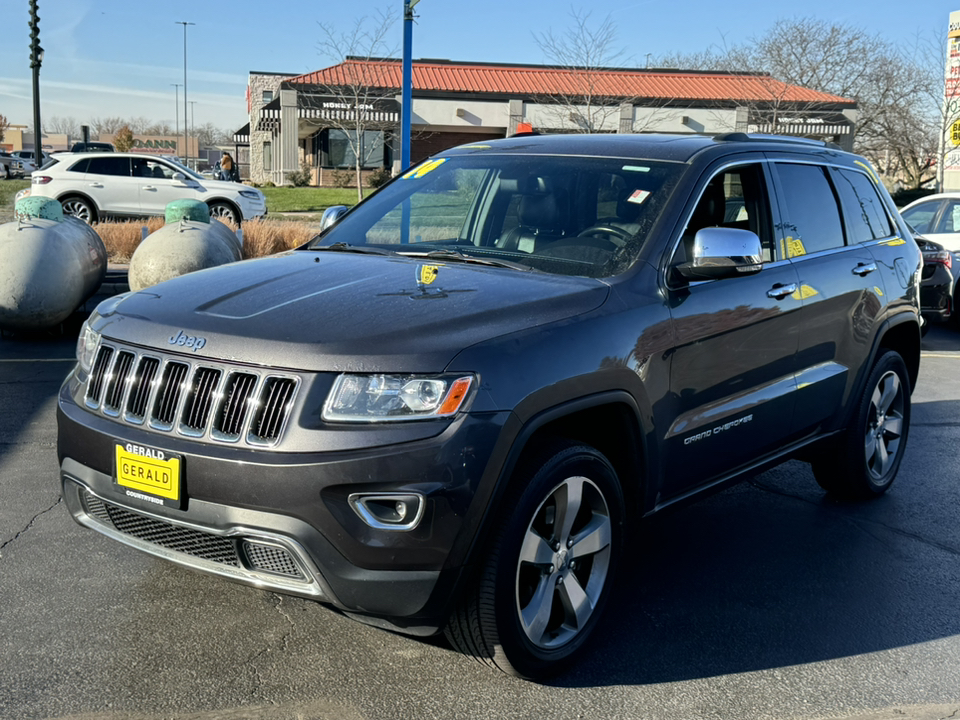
186	137
194	126
36	59
176	114
407	91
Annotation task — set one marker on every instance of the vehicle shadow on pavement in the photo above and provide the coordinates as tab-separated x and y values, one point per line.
773	573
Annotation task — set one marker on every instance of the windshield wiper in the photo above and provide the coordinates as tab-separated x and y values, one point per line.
458	256
346	247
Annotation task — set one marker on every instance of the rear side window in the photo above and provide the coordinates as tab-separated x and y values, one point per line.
812	221
863	209
920	216
80	166
109	166
950	220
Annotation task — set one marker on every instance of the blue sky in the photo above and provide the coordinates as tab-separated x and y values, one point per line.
119	57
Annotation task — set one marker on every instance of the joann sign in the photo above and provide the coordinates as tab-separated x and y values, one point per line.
157	144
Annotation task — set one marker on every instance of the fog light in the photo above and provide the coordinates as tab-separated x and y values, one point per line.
388	511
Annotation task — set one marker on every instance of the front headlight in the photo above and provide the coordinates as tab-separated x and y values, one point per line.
381	398
251	194
87	344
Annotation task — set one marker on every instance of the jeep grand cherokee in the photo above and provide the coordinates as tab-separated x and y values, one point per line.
447	410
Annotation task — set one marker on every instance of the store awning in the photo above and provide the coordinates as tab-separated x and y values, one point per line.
242	136
332	108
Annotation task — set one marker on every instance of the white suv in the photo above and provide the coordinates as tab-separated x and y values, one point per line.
91	186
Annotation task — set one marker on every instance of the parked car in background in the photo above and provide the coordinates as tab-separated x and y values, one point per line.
91	186
92	147
10	166
938	286
450	410
937	218
31	156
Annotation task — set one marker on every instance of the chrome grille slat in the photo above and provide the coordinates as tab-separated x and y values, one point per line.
141	389
97	375
196	410
197	399
117	382
232	415
269	419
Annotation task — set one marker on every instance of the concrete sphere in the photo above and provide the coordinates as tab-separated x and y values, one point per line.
180	248
48	268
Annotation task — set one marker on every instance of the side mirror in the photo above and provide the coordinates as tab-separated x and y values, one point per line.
723	252
331	215
179	177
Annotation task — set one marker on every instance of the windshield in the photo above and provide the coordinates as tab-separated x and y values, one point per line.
586	216
183	168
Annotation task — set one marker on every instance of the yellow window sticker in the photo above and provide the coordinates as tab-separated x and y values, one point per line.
421	170
804	292
795	247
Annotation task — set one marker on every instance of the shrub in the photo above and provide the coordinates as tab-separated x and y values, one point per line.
343	178
301	177
379	177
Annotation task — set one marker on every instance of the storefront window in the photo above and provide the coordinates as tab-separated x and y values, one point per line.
267	157
341	146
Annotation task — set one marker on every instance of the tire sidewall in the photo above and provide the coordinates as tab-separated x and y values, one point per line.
527	659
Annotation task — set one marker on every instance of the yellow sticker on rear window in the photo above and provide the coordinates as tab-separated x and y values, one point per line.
794	247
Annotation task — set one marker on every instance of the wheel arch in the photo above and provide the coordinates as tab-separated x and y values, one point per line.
903	336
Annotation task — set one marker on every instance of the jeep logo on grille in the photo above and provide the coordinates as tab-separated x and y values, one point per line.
191	341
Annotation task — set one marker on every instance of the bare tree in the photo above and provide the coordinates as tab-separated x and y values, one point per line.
63	125
4	124
584	49
359	84
106	126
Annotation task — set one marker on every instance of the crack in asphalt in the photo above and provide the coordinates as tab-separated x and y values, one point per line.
951	715
857	522
29	525
282	645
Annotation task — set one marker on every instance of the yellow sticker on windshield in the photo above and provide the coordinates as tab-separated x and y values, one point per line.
426	274
421	170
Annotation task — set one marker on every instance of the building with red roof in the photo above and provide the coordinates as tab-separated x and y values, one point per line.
323	119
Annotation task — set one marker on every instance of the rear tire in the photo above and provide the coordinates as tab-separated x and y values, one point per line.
224	211
78	207
546	579
864	461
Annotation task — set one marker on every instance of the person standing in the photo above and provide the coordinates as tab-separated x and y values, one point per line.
228	169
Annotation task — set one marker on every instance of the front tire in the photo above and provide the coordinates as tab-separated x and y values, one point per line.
547	576
866	459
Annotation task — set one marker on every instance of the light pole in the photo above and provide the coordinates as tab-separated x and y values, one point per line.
36	59
194	126
186	138
407	92
176	114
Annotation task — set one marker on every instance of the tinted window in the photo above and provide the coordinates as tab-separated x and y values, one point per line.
950	220
863	209
920	216
109	166
812	218
80	166
143	167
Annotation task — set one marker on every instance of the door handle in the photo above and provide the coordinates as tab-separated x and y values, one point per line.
148	187
864	269
779	292
98	185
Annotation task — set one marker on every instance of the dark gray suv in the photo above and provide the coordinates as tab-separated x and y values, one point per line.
448	410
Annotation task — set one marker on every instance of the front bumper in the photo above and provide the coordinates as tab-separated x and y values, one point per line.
281	521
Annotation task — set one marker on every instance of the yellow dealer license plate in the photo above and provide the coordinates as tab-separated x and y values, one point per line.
149	474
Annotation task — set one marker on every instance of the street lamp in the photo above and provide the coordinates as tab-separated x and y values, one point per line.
36	60
186	137
176	114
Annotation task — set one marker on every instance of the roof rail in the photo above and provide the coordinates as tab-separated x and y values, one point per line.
765	137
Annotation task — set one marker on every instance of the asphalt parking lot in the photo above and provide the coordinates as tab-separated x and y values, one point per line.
765	601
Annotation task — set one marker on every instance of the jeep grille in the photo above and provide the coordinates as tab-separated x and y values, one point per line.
196	399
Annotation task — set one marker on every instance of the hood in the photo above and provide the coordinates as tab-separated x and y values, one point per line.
343	312
223	186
